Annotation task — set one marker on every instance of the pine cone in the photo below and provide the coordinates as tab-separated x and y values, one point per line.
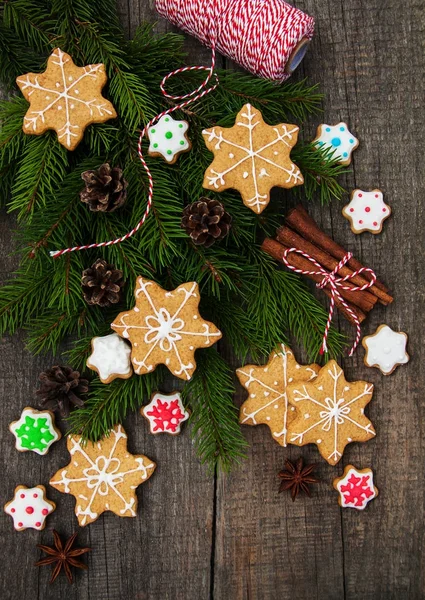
106	189
60	388
102	284
206	221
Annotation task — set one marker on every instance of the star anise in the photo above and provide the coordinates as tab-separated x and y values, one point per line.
63	556
296	477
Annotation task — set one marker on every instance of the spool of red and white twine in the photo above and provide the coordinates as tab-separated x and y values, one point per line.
269	38
331	280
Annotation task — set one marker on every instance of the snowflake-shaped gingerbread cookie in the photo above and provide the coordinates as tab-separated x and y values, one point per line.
29	508
267	402
65	98
168	138
35	431
385	349
165	413
252	157
355	487
366	211
165	328
110	358
103	476
330	412
337	138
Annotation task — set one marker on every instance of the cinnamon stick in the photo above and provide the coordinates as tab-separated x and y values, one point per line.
290	238
299	219
276	250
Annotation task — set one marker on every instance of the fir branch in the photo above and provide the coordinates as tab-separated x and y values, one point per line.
16	58
215	427
30	21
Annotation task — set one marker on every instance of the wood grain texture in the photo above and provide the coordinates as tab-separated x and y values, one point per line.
234	537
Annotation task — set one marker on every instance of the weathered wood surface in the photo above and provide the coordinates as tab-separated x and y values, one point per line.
234	538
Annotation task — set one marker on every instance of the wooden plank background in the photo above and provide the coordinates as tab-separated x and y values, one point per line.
200	537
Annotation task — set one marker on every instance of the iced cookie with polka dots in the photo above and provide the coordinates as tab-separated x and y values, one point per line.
337	138
168	138
366	211
385	349
29	508
356	488
35	431
110	358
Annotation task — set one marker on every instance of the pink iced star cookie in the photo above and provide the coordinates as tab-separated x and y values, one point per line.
355	488
366	211
165	413
29	508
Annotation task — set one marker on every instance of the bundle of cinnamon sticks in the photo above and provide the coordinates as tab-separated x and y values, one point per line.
303	233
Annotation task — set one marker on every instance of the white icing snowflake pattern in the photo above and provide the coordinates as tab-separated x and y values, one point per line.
333	416
165	328
252	166
103	476
69	104
339	139
168	138
366	211
385	349
110	358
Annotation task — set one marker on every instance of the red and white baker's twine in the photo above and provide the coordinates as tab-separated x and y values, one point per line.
330	279
258	34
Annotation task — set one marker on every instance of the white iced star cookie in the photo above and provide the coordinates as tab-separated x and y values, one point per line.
110	358
168	138
355	487
35	431
385	349
337	138
165	413
29	508
366	211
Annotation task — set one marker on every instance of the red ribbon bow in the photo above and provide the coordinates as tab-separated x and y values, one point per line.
330	279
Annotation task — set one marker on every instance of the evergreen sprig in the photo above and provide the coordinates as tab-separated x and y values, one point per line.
253	302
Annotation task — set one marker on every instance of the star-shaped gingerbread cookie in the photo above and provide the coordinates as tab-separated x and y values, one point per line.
165	328
65	98
330	412
267	402
103	476
252	157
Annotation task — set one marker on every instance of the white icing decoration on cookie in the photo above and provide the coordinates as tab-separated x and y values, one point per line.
339	139
366	211
165	413
385	349
110	356
35	431
356	488
167	137
29	508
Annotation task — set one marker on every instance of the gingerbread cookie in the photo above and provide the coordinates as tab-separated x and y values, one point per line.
337	138
29	508
355	488
267	403
330	412
165	328
385	349
165	413
110	358
65	98
252	157
35	431
168	139
103	476
366	211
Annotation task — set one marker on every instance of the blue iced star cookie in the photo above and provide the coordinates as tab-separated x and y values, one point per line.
337	138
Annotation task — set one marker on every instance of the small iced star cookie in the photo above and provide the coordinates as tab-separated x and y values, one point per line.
385	349
110	358
337	138
168	138
355	488
35	431
29	508
366	211
165	413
